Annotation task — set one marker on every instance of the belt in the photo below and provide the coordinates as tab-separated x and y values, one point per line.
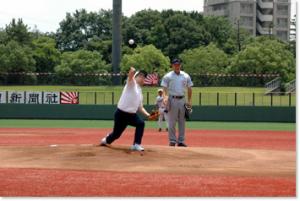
125	112
178	97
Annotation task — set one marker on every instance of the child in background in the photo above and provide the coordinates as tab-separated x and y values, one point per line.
163	113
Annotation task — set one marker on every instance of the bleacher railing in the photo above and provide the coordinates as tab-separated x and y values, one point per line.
273	84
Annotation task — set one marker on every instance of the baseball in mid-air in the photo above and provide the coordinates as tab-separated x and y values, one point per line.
131	42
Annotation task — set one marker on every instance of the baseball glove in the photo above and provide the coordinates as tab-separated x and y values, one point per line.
188	110
153	115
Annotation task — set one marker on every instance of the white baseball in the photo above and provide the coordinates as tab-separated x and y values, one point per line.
131	42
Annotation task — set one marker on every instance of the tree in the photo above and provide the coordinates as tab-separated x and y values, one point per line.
15	58
238	40
184	33
145	27
18	32
171	31
209	59
45	54
77	29
3	36
293	47
219	28
147	58
81	62
265	55
230	38
104	47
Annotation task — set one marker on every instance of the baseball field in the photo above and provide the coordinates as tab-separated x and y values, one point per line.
224	159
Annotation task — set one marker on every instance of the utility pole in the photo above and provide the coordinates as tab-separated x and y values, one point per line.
238	35
270	30
116	40
271	26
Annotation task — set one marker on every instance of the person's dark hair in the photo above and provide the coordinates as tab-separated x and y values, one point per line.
141	72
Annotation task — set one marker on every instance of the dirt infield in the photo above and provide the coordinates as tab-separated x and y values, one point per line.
68	162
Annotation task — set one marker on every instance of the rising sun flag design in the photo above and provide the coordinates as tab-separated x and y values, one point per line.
69	97
151	79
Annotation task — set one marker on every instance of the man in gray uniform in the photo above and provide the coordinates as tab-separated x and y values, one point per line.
174	85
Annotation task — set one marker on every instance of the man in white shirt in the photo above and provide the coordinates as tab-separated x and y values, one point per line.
174	86
130	102
162	110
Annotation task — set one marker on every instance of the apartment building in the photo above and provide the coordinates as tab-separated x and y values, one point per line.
259	17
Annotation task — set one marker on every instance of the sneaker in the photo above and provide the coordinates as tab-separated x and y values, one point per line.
137	147
159	130
181	144
103	142
172	144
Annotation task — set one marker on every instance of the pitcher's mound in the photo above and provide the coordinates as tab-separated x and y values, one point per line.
155	159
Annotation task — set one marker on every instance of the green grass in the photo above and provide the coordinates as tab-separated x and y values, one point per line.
109	124
111	94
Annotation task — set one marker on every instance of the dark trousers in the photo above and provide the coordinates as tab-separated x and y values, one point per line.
121	121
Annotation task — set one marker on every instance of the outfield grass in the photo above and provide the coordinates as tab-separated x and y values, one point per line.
201	95
109	124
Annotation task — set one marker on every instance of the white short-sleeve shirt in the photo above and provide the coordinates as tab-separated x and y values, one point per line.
159	101
176	84
131	98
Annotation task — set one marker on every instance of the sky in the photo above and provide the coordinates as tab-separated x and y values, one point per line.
46	15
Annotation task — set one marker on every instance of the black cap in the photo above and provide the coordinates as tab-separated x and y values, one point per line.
176	61
141	72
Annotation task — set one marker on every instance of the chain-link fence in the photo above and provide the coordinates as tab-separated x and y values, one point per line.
88	79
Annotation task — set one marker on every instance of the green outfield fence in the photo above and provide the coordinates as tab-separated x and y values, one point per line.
106	112
200	99
218	106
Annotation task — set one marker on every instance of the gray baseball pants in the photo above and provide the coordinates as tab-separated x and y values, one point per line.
176	113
